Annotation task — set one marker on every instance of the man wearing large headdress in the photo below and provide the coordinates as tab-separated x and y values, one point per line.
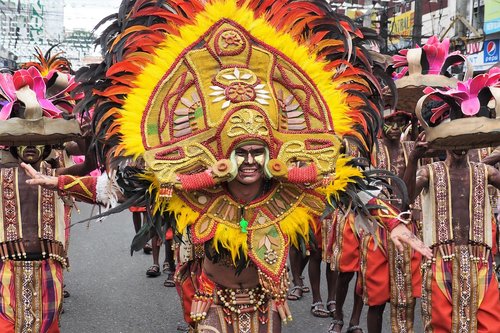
237	109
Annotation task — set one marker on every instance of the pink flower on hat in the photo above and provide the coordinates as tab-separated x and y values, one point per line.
468	94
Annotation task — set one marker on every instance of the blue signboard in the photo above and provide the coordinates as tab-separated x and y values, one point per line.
491	16
491	51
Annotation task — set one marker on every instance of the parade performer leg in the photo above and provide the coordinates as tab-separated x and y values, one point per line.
375	318
317	306
357	308
343	280
169	262
374	281
488	314
139	215
331	281
154	270
327	230
345	259
297	264
31	296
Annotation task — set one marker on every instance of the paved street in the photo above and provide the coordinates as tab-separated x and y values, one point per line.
110	292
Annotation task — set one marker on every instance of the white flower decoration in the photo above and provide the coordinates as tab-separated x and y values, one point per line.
243	91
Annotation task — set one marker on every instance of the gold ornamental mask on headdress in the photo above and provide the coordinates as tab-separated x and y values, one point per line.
227	72
232	89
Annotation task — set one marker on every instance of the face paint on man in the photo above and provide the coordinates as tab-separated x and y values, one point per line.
250	160
30	154
393	127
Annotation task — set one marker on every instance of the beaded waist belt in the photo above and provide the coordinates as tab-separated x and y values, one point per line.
479	252
235	301
240	300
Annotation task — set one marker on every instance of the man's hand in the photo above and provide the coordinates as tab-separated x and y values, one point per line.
48	182
421	147
401	234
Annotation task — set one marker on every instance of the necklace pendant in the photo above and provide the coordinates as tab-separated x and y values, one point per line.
243	225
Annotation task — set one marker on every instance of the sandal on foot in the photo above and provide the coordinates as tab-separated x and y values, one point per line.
66	293
147	248
336	326
305	289
318	310
169	282
295	293
354	329
331	307
153	271
167	267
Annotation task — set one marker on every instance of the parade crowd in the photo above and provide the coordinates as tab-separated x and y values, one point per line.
258	141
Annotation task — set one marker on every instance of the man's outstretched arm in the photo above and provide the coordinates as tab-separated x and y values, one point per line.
101	190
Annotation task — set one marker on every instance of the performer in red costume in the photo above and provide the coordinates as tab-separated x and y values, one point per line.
238	109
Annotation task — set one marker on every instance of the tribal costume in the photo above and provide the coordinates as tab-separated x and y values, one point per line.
343	240
460	289
477	155
183	85
459	292
31	281
31	290
384	268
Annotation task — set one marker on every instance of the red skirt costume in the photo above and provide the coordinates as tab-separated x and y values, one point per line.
343	243
385	276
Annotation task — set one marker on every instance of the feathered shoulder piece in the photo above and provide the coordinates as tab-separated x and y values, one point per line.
185	82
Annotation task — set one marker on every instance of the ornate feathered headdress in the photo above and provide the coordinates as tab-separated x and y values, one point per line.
184	82
426	66
467	116
36	102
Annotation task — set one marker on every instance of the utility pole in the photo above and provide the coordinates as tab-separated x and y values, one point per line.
367	17
384	31
417	24
460	29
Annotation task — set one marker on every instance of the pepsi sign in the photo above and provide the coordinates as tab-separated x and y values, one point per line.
491	52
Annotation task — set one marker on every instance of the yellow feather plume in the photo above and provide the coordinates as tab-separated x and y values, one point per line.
172	47
344	174
231	239
184	215
298	222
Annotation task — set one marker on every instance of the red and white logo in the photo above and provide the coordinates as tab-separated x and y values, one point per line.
491	48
